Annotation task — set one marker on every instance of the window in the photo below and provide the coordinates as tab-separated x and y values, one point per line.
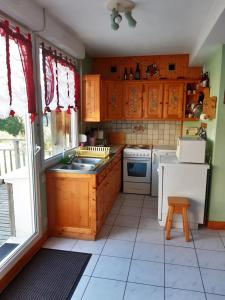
17	91
60	94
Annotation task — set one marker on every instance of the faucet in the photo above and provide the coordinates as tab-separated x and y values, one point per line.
71	158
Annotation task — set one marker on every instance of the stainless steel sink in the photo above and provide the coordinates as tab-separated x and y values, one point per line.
87	160
78	166
82	164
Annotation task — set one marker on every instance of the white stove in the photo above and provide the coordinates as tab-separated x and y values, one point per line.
137	169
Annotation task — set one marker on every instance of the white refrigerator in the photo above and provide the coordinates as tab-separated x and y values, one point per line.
184	180
156	153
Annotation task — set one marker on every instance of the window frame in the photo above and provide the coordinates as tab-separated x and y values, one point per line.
46	163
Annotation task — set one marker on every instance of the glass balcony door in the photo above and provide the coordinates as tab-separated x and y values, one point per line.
18	201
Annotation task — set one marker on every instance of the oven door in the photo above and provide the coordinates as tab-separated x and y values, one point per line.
137	169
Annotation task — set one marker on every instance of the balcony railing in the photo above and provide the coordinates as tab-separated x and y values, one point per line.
12	155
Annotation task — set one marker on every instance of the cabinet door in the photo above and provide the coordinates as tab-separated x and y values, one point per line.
114	100
69	204
173	101
100	205
91	98
153	100
133	100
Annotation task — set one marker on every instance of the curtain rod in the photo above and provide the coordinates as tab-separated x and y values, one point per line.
13	23
25	30
49	44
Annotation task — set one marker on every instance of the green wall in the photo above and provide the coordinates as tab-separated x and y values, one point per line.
216	135
87	65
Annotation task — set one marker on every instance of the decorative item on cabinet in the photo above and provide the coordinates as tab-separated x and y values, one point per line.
205	79
195	97
113	69
209	108
152	71
171	67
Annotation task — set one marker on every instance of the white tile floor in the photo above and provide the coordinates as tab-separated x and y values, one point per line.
131	259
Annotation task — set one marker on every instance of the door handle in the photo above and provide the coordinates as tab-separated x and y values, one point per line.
37	149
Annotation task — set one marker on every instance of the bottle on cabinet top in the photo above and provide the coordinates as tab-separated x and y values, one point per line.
137	75
131	75
125	75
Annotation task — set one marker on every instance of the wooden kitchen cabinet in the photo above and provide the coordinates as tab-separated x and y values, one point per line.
114	96
70	204
173	101
153	100
133	100
78	204
108	190
93	97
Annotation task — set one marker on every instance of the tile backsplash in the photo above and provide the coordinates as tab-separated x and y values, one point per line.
144	132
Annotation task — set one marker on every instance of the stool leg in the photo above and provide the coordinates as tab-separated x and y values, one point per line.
169	222
185	224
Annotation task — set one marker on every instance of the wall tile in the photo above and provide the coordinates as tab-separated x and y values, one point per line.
143	132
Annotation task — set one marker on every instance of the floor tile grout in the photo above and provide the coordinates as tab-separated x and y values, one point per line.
199	267
94	267
132	252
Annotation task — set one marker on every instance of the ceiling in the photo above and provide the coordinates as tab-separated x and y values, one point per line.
163	26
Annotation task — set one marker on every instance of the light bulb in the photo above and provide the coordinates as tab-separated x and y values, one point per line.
131	21
115	26
118	18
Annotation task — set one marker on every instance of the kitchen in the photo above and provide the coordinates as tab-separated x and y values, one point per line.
135	98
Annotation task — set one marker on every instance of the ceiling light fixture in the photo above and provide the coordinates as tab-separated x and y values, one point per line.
121	6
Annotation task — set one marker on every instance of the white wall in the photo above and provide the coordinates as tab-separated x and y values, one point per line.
31	15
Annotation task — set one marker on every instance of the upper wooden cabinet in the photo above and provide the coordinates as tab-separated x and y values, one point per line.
92	108
152	100
133	100
173	101
113	92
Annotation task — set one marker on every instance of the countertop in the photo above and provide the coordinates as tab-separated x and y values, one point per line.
171	160
114	149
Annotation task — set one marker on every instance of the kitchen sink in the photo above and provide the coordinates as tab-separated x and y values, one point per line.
78	166
87	160
83	164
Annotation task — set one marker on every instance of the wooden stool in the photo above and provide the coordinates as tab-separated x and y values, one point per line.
177	205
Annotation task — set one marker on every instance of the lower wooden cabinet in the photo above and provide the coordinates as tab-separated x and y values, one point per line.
107	192
78	204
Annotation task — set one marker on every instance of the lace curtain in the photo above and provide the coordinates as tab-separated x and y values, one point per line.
60	82
17	92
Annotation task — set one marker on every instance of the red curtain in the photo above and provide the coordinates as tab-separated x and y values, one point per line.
51	59
49	80
25	50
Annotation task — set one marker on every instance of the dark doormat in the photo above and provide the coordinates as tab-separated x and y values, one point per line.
50	275
5	249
